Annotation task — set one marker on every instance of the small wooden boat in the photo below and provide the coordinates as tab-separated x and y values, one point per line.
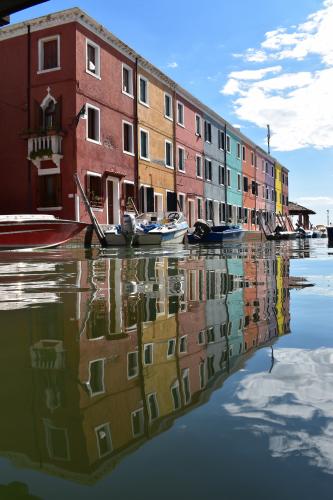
282	235
36	231
204	233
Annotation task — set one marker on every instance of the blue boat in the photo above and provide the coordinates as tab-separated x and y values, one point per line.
204	233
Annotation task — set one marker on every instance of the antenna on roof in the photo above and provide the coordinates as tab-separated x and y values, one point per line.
268	139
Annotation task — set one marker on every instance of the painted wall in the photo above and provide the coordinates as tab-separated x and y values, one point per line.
234	163
249	171
278	188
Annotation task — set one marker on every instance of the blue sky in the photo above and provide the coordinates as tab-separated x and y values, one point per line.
253	62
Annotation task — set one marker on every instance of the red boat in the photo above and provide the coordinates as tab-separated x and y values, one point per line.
36	231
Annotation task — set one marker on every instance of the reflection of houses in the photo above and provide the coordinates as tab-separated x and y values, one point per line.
138	343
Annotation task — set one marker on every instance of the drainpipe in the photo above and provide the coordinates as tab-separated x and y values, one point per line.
174	111
29	200
136	140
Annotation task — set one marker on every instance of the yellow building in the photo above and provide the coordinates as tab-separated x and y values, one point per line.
156	144
279	295
278	188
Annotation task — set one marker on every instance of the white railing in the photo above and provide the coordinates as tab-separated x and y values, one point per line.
45	143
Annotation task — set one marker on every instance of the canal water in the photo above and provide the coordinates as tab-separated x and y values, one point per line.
156	374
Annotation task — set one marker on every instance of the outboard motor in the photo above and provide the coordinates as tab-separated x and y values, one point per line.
201	229
128	225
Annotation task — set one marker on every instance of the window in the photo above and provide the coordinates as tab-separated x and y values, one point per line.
104	441
132	364
148	354
199	166
201	337
252	158
238	150
239	182
221	139
221	174
266	167
222	212
171	347
96	377
198	125
180	113
239	214
186	385
127	80
273	199
94	190
92	58
229	177
253	188
49	191
183	344
243	153
245	184
246	212
168	154
208	170
209	210
153	406
181	159
138	420
267	193
57	441
128	143
168	106
49	53
208	131
93	123
175	395
228	144
181	201
272	170
144	144
199	200
263	165
143	90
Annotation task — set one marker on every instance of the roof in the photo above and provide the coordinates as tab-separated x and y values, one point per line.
296	209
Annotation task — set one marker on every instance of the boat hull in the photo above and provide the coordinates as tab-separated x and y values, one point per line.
218	237
116	240
329	230
283	235
160	238
18	235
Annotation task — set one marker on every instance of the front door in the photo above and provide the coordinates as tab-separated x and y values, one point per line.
112	189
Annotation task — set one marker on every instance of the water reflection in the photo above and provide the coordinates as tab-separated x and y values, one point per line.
102	354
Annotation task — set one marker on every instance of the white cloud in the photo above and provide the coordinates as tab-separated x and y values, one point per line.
285	405
172	65
319	200
297	104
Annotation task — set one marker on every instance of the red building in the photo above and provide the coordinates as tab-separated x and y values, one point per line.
70	64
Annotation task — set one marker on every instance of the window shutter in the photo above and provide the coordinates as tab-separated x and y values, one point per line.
150	199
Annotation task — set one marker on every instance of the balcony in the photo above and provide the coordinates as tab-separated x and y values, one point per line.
45	147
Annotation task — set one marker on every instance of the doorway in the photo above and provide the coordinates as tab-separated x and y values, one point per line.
191	214
112	192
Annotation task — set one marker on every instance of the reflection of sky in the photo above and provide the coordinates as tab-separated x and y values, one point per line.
292	405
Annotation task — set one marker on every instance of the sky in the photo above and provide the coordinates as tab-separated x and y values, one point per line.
255	63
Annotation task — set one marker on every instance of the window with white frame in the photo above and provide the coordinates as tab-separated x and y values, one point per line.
176	395
199	208
180	113
263	165
221	174
49	53
138	421
198	125
132	364
152	406
168	154
144	144
127	80
198	160
181	201
208	131
104	441
186	385
143	90
239	187
92	58
148	354
252	158
93	123
221	139
228	144
229	177
183	344
128	142
96	377
171	348
57	441
208	169
181	159
94	189
222	212
243	153
209	210
238	150
168	106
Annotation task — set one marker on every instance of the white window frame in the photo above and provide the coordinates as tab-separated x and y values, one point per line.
154	395
107	425
201	202
182	124
184	201
93	394
243	153
196	170
173	342
221	168
199	134
228	143
91	106
211	132
98	59
129	377
211	170
151	346
239	182
141	411
228	177
129	94
141	77
180	148
220	135
165	153
168	117
132	140
238	151
183	337
147	133
252	158
41	54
